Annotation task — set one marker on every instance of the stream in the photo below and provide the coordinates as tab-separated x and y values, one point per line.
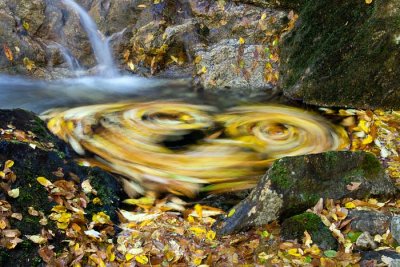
160	134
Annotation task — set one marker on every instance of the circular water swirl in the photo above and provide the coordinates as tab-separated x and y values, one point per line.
130	139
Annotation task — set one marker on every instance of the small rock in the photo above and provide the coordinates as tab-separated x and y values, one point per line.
369	221
395	228
366	242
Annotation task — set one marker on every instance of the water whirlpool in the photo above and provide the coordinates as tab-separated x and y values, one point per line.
171	146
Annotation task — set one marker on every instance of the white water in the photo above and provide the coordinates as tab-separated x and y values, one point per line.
106	86
101	46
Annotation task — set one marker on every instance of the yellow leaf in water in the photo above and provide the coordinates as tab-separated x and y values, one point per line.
142	259
140	201
43	181
241	40
9	164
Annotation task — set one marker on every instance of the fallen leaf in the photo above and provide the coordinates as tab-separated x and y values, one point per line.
353	186
8	52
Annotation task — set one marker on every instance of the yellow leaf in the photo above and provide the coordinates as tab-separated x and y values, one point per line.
211	235
26	25
142	259
9	164
131	66
101	218
129	256
350	205
263	16
62	226
203	69
2	174
199	210
29	64
43	181
197	59
97	201
59	209
241	40
367	140
294	252
197	231
140	201
368	2
231	212
14	193
37	239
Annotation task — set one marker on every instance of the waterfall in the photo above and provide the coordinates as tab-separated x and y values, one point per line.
100	46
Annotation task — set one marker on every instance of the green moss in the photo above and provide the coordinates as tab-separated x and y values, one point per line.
294	228
279	175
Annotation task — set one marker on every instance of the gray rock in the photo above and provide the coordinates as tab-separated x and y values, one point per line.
294	184
366	242
369	221
395	228
372	258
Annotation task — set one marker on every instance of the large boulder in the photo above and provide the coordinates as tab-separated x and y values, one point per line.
344	53
294	184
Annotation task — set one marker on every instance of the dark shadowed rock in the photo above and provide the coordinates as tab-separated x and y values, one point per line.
43	159
294	184
294	228
372	258
369	221
344	53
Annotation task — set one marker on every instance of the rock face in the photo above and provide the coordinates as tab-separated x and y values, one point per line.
50	161
344	53
294	184
229	45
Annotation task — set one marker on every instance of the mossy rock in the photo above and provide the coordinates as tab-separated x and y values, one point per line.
294	228
294	184
303	180
32	162
344	53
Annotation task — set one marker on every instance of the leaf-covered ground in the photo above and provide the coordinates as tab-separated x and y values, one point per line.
169	232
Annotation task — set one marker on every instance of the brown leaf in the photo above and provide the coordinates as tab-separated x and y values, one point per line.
353	186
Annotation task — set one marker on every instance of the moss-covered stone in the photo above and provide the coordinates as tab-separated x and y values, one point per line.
294	184
294	228
32	162
311	177
344	53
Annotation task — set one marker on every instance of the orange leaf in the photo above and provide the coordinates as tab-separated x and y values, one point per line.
8	52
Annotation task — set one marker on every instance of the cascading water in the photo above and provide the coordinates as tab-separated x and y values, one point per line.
101	47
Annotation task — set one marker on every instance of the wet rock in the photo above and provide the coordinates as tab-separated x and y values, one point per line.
294	184
366	242
48	161
294	228
326	59
373	258
395	228
369	221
